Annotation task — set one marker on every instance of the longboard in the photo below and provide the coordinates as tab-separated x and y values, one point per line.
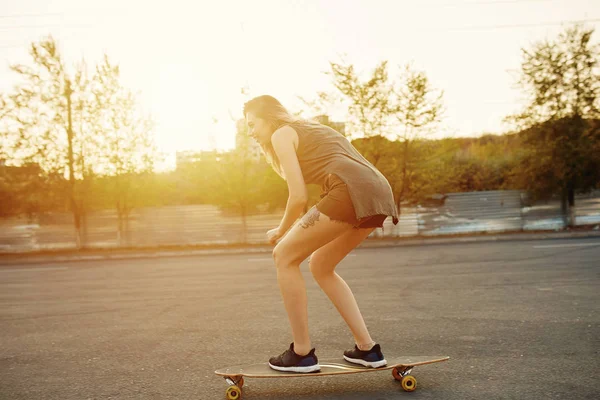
401	368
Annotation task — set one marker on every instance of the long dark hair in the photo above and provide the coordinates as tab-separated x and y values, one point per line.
270	109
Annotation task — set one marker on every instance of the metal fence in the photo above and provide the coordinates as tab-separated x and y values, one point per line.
461	213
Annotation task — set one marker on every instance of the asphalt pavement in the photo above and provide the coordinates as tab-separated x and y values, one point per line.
519	319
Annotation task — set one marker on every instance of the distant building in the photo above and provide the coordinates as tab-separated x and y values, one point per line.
338	126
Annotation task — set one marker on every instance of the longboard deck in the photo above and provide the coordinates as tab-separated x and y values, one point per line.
328	367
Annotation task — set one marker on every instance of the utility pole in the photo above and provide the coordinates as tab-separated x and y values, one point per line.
68	92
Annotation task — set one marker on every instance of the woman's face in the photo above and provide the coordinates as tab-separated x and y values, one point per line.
258	128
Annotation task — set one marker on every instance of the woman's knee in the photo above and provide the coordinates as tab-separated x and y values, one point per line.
319	267
284	255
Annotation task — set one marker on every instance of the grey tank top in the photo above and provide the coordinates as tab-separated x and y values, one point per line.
322	151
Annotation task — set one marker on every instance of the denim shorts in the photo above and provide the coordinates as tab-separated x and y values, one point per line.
337	205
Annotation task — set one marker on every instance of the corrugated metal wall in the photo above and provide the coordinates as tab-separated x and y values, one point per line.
492	211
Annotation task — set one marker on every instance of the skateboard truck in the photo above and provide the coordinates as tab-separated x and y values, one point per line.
234	380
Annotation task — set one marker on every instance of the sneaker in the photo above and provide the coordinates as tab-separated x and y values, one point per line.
371	358
289	361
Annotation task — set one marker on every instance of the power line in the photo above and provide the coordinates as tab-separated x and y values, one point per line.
442	29
512	26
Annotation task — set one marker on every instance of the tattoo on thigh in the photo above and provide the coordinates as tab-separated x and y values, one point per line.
310	218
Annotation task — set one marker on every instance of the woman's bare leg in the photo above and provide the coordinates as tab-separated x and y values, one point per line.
322	265
314	231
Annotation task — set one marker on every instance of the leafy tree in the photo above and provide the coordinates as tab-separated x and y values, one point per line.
38	117
368	101
240	182
417	109
562	81
381	152
125	138
411	108
80	127
28	190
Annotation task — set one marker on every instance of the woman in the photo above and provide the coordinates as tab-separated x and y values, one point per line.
356	199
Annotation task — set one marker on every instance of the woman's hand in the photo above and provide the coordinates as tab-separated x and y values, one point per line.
274	235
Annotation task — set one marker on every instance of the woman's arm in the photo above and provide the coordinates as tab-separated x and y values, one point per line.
285	142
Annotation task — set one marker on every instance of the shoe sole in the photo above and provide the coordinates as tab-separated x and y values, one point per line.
303	370
372	364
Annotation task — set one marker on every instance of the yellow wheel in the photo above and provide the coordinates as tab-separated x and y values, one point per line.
409	383
233	393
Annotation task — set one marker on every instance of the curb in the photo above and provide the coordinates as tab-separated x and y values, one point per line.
12	259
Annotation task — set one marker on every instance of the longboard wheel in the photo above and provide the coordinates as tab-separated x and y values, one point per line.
409	383
233	393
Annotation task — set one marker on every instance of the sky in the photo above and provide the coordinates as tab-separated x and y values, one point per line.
189	60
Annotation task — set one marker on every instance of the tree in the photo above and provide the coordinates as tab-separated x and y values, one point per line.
368	101
125	138
412	108
562	82
381	152
38	117
74	126
561	156
241	182
322	104
417	108
26	189
86	152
